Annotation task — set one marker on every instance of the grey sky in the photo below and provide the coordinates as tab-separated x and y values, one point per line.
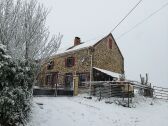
145	48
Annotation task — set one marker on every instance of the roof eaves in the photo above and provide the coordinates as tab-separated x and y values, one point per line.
70	52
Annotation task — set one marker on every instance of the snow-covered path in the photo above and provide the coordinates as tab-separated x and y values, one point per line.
78	111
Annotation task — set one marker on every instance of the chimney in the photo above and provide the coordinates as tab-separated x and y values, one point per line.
77	41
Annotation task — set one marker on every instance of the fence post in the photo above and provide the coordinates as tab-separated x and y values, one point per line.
128	95
122	91
110	90
100	92
132	92
55	90
153	92
94	90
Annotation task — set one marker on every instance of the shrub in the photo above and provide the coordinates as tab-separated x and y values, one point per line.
16	81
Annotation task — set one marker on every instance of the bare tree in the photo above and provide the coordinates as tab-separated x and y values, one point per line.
23	30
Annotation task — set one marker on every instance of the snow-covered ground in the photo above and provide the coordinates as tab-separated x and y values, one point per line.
79	111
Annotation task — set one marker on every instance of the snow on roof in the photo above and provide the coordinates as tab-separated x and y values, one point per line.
82	45
110	73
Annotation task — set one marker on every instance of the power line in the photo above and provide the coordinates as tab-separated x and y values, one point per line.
126	15
141	22
120	21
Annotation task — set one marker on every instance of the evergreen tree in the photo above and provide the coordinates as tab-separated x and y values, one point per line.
15	90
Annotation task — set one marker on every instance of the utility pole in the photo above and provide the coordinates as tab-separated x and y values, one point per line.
91	65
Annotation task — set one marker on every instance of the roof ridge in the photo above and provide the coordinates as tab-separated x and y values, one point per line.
83	45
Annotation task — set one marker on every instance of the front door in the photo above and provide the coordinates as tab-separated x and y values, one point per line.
69	80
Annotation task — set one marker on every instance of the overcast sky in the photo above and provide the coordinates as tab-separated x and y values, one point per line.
145	49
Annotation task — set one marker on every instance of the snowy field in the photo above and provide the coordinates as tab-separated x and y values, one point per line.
79	111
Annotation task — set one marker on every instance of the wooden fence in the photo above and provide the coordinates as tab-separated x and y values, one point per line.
125	90
160	93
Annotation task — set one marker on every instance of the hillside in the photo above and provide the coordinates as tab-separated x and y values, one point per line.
79	111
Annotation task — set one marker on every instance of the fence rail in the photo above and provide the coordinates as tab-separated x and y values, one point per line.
160	93
108	89
125	90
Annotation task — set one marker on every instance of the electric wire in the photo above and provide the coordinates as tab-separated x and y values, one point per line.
126	15
121	20
144	20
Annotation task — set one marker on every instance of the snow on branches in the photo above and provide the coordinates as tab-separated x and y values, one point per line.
23	30
15	90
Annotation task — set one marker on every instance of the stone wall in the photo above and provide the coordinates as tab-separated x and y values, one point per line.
102	57
82	64
106	58
59	62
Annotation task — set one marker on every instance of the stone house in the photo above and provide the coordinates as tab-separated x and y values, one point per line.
98	60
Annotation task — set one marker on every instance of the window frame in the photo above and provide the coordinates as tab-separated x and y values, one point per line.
70	61
86	75
48	79
50	65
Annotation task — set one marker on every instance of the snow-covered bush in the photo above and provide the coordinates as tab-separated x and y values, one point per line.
15	90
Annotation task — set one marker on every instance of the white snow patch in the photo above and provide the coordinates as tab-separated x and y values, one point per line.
78	111
36	87
110	73
3	47
7	56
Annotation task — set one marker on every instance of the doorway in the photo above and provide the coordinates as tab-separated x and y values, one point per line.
69	81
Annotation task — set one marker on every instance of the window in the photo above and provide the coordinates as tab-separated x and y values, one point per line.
50	65
82	78
48	79
110	43
70	61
